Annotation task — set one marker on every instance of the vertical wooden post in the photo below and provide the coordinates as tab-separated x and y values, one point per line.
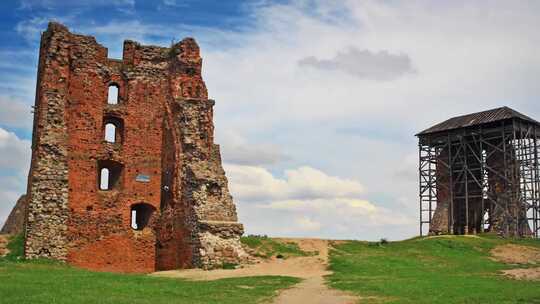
420	183
451	186
466	171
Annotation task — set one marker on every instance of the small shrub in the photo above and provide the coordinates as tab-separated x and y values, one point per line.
16	248
380	243
229	266
252	241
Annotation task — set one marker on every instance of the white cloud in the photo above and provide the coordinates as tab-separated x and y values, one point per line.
14	165
252	154
236	149
15	113
262	79
306	224
31	29
14	152
307	202
379	65
357	206
338	208
66	12
175	3
7	202
258	184
122	5
126	29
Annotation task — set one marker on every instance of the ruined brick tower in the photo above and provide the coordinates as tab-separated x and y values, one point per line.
480	172
125	175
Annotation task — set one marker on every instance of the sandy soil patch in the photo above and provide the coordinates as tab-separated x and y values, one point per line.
312	269
524	273
516	254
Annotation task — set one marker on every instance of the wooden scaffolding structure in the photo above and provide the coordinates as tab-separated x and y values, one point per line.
480	173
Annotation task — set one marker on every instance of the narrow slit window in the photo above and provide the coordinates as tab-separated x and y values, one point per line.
104	179
134	219
113	95
110	133
113	129
140	215
110	174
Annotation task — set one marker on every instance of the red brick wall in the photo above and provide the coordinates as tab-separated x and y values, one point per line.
167	136
100	234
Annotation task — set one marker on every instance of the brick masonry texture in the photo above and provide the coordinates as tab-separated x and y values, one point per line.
163	163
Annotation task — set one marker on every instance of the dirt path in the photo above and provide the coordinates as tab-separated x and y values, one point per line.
311	269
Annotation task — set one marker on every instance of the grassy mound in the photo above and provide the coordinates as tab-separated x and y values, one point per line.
429	270
266	247
41	281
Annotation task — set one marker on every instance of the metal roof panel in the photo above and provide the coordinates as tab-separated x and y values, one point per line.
479	118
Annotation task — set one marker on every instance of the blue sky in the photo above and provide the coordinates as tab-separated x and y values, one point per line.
22	21
317	101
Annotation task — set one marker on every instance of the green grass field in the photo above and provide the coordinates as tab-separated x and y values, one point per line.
54	283
421	270
429	270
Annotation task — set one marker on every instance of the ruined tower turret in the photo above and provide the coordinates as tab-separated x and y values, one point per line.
125	175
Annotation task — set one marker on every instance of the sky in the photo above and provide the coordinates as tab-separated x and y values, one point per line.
317	102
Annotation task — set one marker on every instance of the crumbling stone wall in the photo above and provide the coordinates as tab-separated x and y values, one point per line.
15	221
212	215
506	217
440	220
46	222
164	159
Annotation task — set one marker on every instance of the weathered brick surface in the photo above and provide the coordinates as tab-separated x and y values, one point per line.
166	153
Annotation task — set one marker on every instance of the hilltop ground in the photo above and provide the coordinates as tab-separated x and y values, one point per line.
448	269
308	262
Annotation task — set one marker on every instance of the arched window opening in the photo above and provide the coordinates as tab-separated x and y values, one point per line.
110	173
141	215
113	130
113	94
104	179
110	133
